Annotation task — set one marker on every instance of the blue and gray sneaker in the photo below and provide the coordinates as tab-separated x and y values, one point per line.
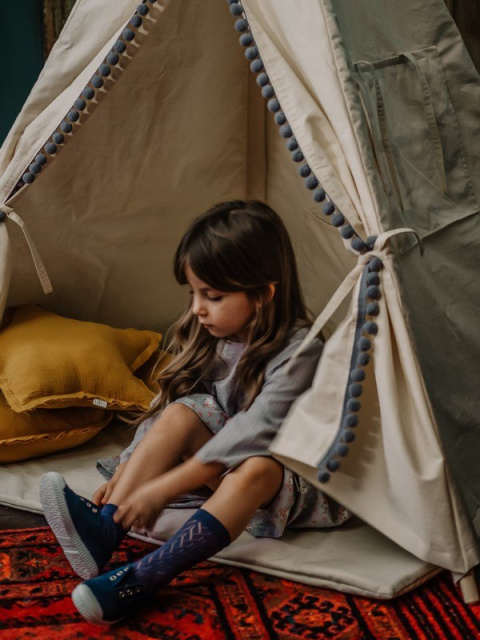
87	539
110	597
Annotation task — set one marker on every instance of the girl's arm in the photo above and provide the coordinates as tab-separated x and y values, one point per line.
250	432
144	505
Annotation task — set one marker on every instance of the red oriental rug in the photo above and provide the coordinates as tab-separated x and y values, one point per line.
216	602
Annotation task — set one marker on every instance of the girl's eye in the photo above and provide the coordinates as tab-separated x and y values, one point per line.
215	298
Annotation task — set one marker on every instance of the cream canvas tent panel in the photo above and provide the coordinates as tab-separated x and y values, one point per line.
179	124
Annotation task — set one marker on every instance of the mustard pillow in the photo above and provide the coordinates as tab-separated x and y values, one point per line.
50	361
38	433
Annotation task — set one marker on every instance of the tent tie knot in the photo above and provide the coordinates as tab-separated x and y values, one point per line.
379	252
11	214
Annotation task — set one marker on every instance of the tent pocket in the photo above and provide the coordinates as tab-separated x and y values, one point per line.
416	140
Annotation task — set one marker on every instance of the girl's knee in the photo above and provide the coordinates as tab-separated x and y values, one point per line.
260	471
185	424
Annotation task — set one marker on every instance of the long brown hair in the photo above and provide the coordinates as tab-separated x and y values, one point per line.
235	246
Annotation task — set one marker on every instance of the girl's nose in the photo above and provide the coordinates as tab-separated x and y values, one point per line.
197	307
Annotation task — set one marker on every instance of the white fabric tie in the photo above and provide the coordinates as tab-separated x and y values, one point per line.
37	260
379	251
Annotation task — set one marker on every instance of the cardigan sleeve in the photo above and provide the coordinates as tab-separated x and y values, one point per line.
250	432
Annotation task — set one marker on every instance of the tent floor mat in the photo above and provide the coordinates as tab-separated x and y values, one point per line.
216	602
353	558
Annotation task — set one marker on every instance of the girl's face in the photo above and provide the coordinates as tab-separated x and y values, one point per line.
223	314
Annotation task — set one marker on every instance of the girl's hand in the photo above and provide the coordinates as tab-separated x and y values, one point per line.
142	507
100	497
103	493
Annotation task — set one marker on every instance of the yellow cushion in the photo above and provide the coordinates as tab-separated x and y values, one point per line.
38	433
54	362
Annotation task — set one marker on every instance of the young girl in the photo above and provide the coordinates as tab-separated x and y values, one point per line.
222	399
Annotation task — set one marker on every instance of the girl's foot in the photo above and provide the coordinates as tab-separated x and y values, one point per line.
111	597
87	539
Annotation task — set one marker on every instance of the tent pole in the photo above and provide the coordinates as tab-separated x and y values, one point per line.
469	588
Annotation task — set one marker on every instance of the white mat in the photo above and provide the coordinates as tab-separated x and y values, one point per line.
353	558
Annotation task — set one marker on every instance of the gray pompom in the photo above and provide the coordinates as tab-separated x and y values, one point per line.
142	9
79	104
359	245
268	91
128	34
342	450
357	375
353	405
236	9
292	144
246	39
136	21
364	344
373	278
273	105
257	65
120	46
355	390
297	156
66	127
351	421
311	182
371	328
58	138
347	232
40	159
375	264
241	25
113	58
105	70
363	359
338	219
35	168
73	115
28	178
51	148
349	436
374	293
304	171
333	465
280	118
88	93
323	477
251	53
97	82
262	80
328	208
319	195
372	309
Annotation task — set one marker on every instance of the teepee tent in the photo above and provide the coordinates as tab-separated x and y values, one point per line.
146	115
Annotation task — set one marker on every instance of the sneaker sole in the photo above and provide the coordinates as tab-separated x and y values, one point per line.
89	607
58	517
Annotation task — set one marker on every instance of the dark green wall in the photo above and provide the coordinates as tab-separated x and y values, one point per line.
21	58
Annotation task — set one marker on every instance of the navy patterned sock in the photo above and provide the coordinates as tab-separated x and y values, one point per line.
201	537
114	533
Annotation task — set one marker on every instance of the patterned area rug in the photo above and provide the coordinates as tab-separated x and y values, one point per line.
215	602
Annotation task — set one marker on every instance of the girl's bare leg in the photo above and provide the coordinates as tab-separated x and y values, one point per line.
251	485
177	434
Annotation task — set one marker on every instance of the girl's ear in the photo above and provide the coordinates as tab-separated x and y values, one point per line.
265	297
270	292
